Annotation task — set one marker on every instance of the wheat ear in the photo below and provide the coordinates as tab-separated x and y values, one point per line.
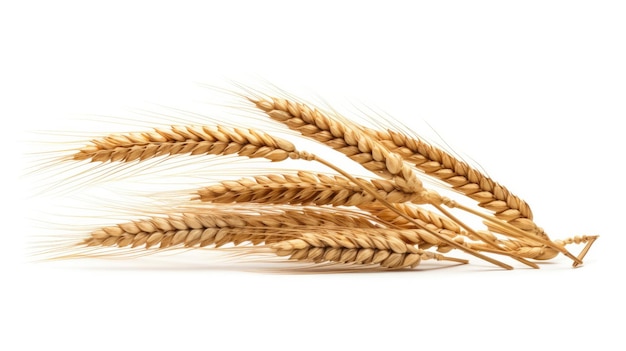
460	175
345	138
194	140
215	226
325	247
303	188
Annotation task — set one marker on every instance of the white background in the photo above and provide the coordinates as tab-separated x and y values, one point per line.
532	91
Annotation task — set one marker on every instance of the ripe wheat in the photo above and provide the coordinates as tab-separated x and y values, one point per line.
334	218
348	248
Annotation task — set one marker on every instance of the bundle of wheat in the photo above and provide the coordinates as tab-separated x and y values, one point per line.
316	217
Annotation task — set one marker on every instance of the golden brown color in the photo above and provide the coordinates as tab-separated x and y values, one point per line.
334	218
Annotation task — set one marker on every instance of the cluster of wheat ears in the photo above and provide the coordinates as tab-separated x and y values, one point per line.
387	220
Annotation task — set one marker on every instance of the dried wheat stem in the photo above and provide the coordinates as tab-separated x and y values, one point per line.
305	188
522	249
318	248
194	140
577	240
540	252
584	251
